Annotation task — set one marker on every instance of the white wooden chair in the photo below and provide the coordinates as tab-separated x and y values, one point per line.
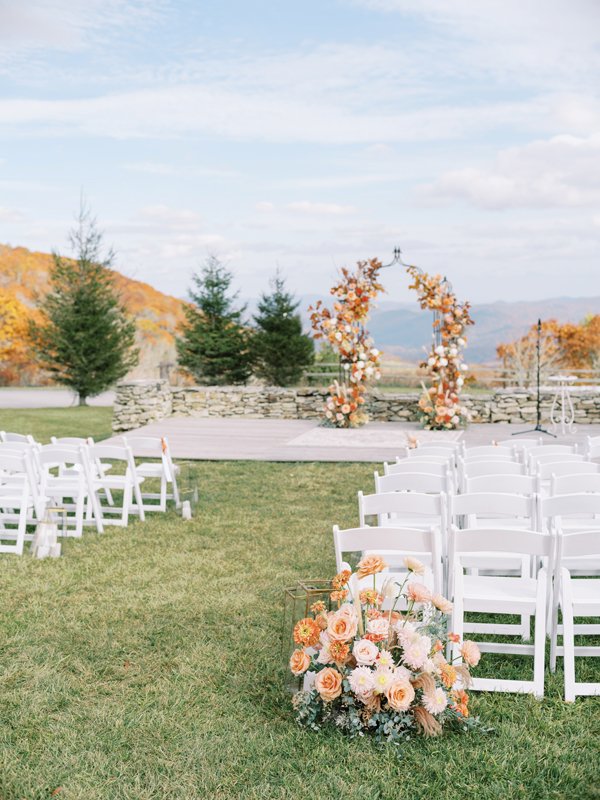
553	450
594	452
14	504
475	469
500	595
521	443
412	482
8	436
592	443
571	512
555	458
98	467
440	451
66	479
501	454
128	482
162	469
17	467
492	450
388	541
406	466
575	598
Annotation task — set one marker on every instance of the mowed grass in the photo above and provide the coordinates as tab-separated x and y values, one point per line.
42	423
146	664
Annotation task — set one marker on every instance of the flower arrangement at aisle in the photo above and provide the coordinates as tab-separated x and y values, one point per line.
344	329
440	407
369	668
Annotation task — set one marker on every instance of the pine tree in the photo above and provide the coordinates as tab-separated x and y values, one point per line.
85	338
214	342
280	350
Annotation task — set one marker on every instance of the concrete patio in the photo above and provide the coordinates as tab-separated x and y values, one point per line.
238	438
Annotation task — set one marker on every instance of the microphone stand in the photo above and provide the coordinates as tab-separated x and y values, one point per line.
538	417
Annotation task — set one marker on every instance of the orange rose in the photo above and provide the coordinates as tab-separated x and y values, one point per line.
400	695
370	565
299	662
328	684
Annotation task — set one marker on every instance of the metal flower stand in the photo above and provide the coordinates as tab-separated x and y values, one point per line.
297	601
562	412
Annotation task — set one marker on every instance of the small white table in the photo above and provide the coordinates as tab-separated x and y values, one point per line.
562	412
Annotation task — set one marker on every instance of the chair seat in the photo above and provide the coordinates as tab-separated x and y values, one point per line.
586	592
153	469
498	590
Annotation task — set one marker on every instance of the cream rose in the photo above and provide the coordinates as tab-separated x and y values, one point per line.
299	662
379	626
400	695
365	652
328	684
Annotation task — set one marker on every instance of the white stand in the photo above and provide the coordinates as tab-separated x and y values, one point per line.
562	412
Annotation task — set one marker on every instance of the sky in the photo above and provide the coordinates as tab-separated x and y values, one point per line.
303	136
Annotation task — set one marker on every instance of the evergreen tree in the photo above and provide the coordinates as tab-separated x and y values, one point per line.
84	338
280	350
214	342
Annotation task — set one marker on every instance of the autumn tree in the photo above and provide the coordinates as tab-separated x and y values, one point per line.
85	338
214	343
14	337
280	350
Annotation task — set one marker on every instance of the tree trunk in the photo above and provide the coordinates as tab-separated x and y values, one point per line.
82	400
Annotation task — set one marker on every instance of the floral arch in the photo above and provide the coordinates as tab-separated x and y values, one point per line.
360	361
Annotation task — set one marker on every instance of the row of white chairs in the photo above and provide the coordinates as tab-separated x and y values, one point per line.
497	546
76	475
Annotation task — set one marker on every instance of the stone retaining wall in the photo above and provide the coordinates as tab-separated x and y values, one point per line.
139	402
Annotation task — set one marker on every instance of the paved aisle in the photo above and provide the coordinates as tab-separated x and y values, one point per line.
236	438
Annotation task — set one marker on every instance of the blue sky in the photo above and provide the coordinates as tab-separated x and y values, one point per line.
309	135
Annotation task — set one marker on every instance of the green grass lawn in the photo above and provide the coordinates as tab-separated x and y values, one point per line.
146	664
42	423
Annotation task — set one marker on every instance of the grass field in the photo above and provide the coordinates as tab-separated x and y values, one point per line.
146	665
42	423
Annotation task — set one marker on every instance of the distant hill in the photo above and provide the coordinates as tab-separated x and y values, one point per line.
24	276
404	330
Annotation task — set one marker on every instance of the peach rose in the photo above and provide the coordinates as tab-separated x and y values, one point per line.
470	653
400	695
370	565
299	662
328	684
440	602
418	592
342	626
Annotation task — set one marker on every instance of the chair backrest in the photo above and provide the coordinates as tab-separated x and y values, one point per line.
554	458
145	446
500	540
410	482
493	505
387	505
8	436
13	461
113	452
448	460
552	449
549	468
399	541
594	451
575	506
507	484
502	454
521	443
424	467
488	450
14	503
575	483
52	455
578	545
75	441
431	450
473	469
454	446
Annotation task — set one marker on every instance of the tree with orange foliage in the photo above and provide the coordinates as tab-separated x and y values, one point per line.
14	337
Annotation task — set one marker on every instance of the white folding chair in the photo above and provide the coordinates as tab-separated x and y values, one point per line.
571	512
474	469
489	450
555	458
398	542
128	482
593	452
553	450
490	594
502	454
14	503
17	467
430	450
98	467
66	478
163	469
407	466
521	443
412	482
576	598
592	443
575	483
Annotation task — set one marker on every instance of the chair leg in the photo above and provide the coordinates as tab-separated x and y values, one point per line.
138	497
176	491
127	501
539	649
163	494
568	639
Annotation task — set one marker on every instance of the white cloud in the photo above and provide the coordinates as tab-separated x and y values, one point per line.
320	209
11	215
561	171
